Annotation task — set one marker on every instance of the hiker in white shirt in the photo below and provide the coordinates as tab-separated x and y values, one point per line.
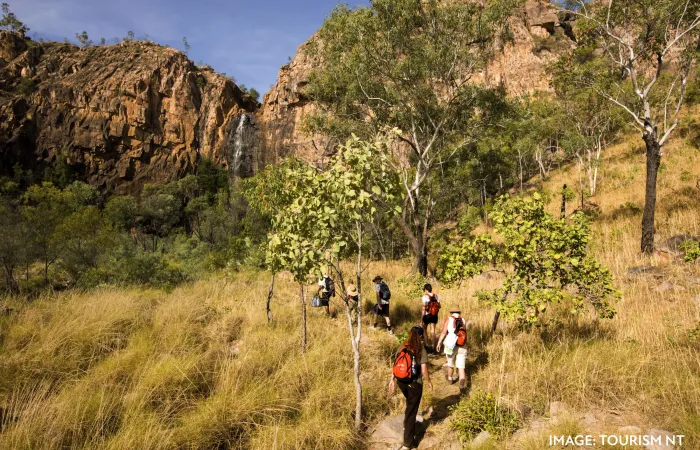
453	337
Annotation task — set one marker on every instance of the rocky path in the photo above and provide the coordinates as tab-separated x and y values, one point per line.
433	431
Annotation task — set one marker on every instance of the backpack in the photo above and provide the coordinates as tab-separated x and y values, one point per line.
460	331
330	286
433	305
384	292
406	368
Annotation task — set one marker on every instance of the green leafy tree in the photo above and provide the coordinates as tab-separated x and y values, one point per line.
159	213
408	64
358	181
85	238
186	45
318	213
45	207
9	20
15	248
545	261
638	55
83	39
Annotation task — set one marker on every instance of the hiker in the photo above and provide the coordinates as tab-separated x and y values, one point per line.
382	306
454	336
352	298
429	315
326	290
410	369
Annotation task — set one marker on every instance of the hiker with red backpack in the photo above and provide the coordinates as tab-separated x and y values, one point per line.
410	371
429	315
454	338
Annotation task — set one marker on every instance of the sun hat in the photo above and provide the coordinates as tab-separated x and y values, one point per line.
377	278
352	290
455	309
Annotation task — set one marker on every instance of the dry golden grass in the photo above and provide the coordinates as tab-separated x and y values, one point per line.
200	368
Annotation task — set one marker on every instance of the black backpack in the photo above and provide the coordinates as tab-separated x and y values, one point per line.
330	286
384	292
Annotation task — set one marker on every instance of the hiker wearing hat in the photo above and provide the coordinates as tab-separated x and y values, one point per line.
382	306
409	372
352	298
326	290
454	338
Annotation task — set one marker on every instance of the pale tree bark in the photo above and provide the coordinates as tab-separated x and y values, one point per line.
302	296
354	334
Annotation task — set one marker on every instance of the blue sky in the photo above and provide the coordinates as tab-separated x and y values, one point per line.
246	39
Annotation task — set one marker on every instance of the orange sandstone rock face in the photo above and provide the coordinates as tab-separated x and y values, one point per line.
283	110
121	116
540	35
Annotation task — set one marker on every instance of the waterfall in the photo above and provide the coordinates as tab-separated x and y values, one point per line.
238	144
242	146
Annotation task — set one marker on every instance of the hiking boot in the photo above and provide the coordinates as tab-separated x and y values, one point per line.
463	390
390	332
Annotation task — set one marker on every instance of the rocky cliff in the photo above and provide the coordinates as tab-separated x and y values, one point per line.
540	35
120	116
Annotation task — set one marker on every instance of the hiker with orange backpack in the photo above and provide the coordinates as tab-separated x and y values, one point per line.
454	338
410	370
429	315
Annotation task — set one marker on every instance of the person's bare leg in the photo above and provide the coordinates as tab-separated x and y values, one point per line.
450	371
431	333
462	378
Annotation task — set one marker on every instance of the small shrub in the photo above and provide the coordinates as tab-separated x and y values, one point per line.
694	334
691	250
25	86
480	412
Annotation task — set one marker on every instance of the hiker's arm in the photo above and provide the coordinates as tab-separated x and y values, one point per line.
392	386
442	334
426	374
423	311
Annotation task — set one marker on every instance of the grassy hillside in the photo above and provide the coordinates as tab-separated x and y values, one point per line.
199	367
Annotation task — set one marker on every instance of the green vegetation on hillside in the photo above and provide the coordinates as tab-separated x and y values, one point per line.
68	235
139	321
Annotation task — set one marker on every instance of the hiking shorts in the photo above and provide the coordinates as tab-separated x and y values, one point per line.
458	358
430	318
324	301
384	312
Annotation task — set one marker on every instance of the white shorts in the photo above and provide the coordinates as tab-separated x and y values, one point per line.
458	358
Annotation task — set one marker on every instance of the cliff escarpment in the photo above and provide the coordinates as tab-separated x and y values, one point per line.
119	116
540	34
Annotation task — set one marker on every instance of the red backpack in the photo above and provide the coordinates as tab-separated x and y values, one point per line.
405	368
460	331
433	305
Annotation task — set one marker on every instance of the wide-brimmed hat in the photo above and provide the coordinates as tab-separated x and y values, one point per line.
377	278
455	309
352	290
